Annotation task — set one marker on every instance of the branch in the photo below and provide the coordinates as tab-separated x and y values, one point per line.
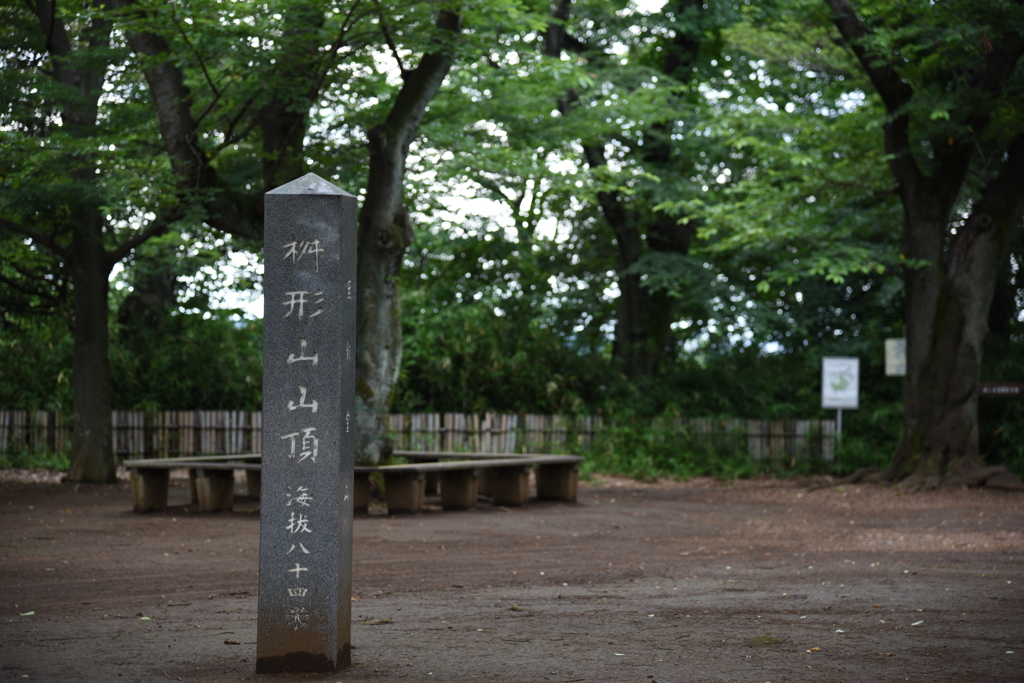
1000	64
38	238
991	80
159	226
895	93
1000	208
336	45
389	141
283	119
390	41
199	58
172	98
555	35
56	38
230	212
209	107
14	284
490	184
230	138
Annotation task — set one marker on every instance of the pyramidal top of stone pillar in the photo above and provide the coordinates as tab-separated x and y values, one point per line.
310	183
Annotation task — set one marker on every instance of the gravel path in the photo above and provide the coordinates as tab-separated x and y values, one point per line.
700	581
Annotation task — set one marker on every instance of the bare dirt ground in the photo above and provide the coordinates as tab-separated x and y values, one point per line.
699	581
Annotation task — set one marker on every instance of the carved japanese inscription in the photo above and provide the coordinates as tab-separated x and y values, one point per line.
305	589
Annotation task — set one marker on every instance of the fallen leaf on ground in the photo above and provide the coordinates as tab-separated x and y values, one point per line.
765	640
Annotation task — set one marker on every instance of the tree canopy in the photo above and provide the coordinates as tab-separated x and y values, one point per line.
568	207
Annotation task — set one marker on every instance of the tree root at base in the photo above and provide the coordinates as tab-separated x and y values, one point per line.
993	477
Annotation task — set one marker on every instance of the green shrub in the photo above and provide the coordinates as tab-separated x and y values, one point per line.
35	460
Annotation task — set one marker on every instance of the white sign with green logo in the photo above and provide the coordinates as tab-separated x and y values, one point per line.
840	383
840	387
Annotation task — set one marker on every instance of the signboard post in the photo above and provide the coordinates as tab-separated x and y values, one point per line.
840	387
305	586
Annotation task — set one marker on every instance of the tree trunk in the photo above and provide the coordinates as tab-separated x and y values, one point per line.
92	453
946	316
378	331
643	316
385	232
952	273
946	324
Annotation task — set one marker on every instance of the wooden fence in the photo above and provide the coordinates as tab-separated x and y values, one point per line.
493	432
503	433
190	432
773	439
136	433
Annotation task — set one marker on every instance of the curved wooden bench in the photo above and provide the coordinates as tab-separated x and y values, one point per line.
460	474
557	479
211	480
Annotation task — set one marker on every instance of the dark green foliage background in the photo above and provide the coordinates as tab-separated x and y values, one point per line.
769	143
193	361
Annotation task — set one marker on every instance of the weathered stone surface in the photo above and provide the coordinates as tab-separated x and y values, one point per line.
307	482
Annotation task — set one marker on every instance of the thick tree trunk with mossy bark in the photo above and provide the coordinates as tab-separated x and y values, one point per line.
385	232
954	241
947	321
947	311
379	331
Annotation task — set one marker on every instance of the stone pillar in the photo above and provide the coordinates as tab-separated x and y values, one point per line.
307	487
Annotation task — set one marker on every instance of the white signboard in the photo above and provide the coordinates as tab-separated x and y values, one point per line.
840	383
895	357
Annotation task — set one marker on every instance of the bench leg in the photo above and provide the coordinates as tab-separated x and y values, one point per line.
433	481
149	489
432	484
405	491
558	482
459	489
361	495
193	492
216	490
510	485
484	486
252	483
